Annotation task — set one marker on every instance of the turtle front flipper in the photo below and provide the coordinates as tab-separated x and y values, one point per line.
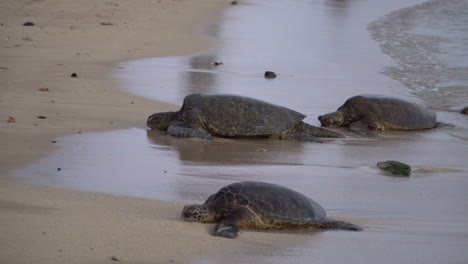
227	228
316	131
339	225
361	128
185	130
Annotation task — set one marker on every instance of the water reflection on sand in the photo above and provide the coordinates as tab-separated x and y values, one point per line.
323	54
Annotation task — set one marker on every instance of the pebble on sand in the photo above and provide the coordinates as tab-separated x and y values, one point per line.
270	75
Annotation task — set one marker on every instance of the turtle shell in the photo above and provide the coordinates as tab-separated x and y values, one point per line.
274	204
231	115
393	113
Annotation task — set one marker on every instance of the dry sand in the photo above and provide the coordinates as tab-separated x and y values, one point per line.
49	225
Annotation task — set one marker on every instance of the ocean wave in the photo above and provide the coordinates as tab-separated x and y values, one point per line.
429	43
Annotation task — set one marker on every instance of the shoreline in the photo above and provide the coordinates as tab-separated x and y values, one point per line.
55	225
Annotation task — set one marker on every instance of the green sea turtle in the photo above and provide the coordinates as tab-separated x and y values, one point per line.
260	206
374	112
204	116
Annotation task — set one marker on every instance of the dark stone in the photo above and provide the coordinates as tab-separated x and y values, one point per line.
464	111
41	117
395	167
114	258
270	75
28	24
74	75
234	3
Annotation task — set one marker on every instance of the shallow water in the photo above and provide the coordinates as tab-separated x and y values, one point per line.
323	54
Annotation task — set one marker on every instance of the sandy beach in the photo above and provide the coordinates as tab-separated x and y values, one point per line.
51	225
77	86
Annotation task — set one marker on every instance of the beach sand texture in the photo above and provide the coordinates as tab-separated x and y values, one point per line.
49	225
407	220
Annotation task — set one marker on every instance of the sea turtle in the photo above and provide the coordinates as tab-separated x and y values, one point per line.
260	206
204	116
375	112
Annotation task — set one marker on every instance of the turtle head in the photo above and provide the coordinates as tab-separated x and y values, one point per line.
332	119
161	121
197	213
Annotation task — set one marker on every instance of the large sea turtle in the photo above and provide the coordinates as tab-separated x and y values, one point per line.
374	112
260	206
204	116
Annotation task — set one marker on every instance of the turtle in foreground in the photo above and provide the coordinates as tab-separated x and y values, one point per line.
204	116
374	112
260	206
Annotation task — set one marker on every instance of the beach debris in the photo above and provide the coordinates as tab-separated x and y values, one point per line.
74	75
262	150
464	111
270	75
28	24
234	3
11	119
43	89
114	258
42	117
395	167
107	23
217	63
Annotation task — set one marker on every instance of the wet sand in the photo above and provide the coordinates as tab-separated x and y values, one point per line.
420	219
52	225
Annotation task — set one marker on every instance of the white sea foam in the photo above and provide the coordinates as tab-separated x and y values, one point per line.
429	42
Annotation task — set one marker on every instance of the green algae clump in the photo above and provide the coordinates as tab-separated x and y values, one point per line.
395	167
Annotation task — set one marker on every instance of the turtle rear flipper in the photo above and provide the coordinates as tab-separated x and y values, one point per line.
300	136
316	131
444	125
341	225
184	130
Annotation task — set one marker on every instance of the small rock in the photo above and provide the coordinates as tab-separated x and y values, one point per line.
464	111
74	75
234	3
53	141
43	89
42	117
28	24
217	63
395	167
107	23
114	258
270	75
59	169
261	150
